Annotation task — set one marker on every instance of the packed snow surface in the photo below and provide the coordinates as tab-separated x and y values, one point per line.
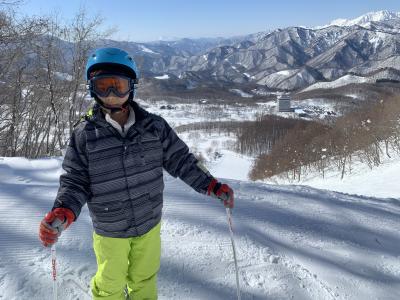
293	242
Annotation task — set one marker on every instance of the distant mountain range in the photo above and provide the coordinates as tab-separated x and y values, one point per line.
284	59
365	20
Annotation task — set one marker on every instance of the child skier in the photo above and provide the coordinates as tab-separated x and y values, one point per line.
114	163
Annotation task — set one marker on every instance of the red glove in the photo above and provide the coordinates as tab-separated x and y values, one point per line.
53	224
221	191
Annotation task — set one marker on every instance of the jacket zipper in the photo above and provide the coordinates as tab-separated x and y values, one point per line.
125	148
132	221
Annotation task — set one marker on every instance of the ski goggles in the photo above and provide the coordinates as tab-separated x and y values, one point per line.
103	85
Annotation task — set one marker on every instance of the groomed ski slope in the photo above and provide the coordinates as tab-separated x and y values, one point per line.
293	242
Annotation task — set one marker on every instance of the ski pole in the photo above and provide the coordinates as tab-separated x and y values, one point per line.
54	270
228	212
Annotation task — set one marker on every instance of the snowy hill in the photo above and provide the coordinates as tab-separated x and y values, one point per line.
294	242
344	80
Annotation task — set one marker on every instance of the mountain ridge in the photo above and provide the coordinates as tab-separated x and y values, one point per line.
364	20
289	58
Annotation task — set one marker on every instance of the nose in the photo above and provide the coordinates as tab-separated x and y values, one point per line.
112	94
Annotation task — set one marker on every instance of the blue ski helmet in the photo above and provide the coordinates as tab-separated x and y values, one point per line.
112	59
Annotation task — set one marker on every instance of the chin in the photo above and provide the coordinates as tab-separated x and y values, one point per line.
121	112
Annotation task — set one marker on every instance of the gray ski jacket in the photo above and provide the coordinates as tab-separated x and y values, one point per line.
121	179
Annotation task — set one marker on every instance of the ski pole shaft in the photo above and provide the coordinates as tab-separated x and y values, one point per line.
54	270
228	212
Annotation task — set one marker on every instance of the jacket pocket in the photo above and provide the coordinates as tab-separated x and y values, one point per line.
109	216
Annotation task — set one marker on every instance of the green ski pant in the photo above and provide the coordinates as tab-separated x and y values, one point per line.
132	262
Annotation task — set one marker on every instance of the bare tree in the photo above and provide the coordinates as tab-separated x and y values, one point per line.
83	33
43	87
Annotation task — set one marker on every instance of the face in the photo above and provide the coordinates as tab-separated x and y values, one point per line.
113	90
113	100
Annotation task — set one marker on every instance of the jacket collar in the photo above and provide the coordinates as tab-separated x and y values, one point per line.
141	115
99	117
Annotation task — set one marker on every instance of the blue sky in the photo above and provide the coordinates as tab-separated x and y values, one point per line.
145	20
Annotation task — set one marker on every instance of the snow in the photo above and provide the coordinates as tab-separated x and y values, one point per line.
241	93
310	239
344	80
147	50
300	75
339	22
249	76
366	19
293	242
354	96
194	113
215	149
378	182
25	92
274	78
241	164
360	180
376	41
64	76
284	73
165	76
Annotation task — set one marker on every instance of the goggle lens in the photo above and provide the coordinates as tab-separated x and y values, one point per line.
103	85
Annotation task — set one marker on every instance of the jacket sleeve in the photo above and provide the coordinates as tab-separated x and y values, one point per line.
74	189
179	162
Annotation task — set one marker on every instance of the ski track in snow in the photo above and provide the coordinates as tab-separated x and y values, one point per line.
293	242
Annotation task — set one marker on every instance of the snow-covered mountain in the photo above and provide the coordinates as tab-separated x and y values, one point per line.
294	57
367	19
286	59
